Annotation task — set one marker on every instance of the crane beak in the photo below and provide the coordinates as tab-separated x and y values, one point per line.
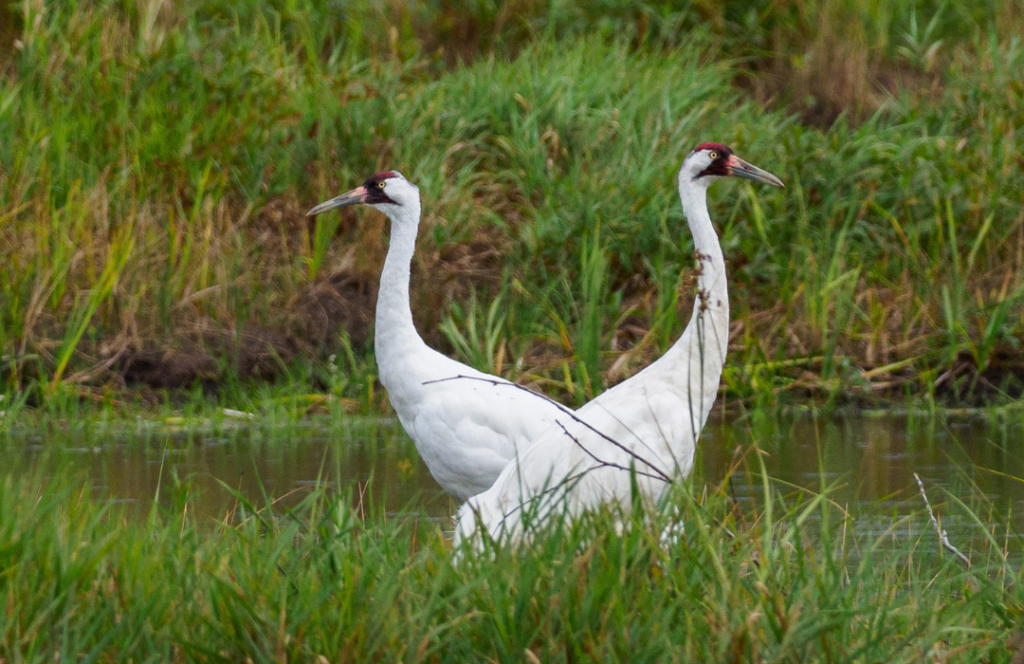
354	197
742	169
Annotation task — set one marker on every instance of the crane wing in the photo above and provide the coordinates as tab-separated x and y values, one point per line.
468	429
591	460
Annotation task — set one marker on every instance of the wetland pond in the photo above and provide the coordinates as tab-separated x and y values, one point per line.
866	460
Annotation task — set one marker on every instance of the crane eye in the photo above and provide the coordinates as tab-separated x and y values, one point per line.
382	184
713	155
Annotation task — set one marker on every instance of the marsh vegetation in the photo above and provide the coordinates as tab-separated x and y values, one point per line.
159	278
157	160
339	552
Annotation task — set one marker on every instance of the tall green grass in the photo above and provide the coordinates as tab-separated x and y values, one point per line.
156	162
335	579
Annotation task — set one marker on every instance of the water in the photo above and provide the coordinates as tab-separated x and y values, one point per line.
868	461
373	456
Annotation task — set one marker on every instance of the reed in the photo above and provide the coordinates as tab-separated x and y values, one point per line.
792	576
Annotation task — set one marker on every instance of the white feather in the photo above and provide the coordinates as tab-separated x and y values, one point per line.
467	425
647	425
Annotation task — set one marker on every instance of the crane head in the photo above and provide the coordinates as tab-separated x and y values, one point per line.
714	160
387	188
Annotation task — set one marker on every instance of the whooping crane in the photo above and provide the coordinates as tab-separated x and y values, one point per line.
647	425
467	425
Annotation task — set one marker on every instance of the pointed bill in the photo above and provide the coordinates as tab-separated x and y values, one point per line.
743	169
354	197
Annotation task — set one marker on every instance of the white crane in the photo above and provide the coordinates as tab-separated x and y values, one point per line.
467	425
648	424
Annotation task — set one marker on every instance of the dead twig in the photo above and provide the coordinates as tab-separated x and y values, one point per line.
938	530
602	462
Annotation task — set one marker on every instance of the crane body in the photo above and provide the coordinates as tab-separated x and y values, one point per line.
467	425
646	427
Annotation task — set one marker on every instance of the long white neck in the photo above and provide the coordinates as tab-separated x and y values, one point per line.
702	347
395	333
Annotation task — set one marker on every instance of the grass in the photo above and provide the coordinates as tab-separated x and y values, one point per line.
156	162
794	578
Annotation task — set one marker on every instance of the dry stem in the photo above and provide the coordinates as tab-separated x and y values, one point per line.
939	531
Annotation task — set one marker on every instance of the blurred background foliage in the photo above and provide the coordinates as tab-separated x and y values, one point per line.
157	159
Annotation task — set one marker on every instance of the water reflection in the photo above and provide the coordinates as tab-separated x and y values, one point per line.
864	459
372	456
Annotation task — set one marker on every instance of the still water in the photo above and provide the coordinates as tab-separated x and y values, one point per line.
867	461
